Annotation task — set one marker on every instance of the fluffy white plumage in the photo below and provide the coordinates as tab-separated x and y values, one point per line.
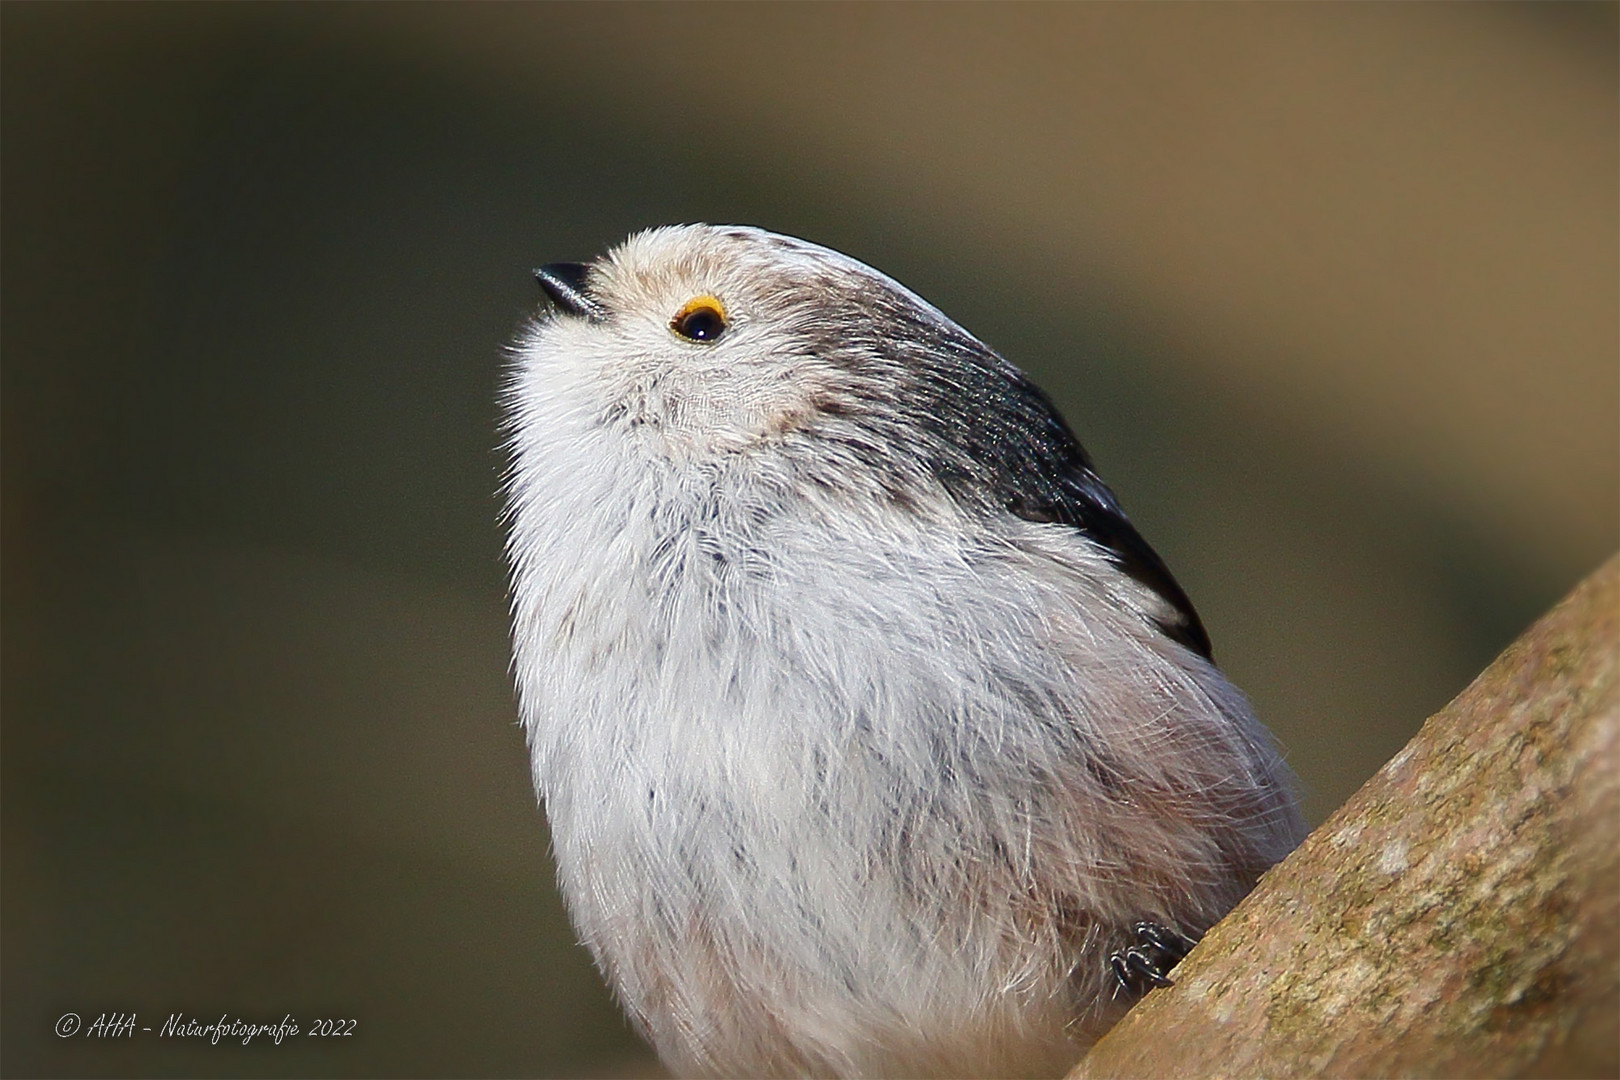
849	770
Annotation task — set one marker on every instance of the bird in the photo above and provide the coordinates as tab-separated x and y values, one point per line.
873	738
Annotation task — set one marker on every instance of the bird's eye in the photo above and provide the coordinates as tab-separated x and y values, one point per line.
702	318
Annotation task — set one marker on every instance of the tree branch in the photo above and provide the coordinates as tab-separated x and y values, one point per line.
1459	916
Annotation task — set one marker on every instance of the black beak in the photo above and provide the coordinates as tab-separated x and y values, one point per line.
564	284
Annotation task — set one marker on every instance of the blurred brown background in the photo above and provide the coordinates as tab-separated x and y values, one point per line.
1330	292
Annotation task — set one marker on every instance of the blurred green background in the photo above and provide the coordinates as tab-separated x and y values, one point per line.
1330	292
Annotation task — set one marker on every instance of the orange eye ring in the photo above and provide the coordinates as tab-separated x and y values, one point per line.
701	319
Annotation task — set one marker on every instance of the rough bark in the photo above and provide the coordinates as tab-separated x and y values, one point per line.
1459	916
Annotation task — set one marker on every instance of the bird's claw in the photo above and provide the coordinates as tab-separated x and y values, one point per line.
1146	964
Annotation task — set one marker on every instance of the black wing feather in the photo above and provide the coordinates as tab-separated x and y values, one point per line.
1006	445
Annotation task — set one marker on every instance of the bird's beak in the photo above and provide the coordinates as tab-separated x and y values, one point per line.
564	284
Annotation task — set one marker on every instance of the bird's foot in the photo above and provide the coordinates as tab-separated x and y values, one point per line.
1146	964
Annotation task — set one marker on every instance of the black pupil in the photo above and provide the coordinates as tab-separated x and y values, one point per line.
704	324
